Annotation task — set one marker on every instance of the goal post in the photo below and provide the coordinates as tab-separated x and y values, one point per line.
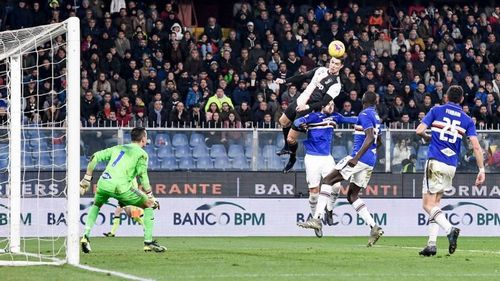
43	144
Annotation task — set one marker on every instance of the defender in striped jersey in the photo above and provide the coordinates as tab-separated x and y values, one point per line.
318	160
449	125
324	87
358	167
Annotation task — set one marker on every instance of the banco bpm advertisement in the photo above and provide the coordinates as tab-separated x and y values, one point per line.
258	217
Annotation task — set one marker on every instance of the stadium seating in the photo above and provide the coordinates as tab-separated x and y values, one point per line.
240	163
222	163
235	150
83	162
182	151
179	139
200	151
165	151
60	162
162	140
154	164
204	163
186	163
269	151
274	163
169	164
196	139
4	163
218	150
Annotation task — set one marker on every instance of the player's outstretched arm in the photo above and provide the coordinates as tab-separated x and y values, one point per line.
478	153
369	139
341	119
297	78
421	132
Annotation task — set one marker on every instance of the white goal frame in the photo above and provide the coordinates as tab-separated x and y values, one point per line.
13	52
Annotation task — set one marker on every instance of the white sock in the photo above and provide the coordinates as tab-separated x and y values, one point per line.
313	201
333	198
323	199
433	233
362	210
437	215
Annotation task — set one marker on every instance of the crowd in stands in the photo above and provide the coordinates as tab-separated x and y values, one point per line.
142	66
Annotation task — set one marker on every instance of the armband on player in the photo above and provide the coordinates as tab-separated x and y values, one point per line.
481	170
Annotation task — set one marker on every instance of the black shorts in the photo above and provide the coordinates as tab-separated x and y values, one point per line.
292	114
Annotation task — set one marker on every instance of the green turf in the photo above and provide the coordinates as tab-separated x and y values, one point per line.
279	258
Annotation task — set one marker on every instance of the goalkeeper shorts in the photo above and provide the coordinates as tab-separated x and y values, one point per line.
133	197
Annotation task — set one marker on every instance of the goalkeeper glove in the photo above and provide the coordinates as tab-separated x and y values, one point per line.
156	204
85	184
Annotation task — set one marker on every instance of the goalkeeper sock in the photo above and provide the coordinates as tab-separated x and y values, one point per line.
433	233
91	218
116	223
363	212
148	224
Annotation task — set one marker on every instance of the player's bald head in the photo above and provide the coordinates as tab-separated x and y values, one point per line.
370	98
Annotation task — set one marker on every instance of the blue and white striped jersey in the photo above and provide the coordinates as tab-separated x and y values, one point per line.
449	124
367	118
320	131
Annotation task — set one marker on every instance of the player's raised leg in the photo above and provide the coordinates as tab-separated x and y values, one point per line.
285	123
293	145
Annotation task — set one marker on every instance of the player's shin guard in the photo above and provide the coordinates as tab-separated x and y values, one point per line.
433	233
323	199
333	198
437	215
313	201
362	210
116	223
148	224
91	218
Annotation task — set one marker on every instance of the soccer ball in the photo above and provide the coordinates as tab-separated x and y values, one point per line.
336	49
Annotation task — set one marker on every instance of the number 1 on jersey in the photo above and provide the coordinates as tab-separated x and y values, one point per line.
118	158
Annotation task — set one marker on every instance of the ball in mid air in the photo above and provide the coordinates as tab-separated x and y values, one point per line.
336	49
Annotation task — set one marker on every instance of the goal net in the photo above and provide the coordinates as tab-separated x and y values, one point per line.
40	144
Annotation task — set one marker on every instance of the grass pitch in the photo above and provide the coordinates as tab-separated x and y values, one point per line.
279	258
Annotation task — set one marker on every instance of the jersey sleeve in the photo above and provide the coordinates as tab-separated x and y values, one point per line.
307	119
470	130
365	121
340	119
429	118
142	172
104	155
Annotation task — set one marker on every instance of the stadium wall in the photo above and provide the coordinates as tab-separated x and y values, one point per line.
261	217
247	184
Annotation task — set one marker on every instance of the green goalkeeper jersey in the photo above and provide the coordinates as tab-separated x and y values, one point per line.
125	163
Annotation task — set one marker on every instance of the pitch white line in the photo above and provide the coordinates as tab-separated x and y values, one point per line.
114	273
337	274
417	248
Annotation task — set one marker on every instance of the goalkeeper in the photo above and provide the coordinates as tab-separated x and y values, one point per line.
125	163
135	213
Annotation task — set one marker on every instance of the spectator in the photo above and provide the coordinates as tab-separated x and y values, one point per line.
396	110
232	122
89	105
355	102
124	117
218	99
179	117
196	117
158	116
347	110
245	114
382	45
402	150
